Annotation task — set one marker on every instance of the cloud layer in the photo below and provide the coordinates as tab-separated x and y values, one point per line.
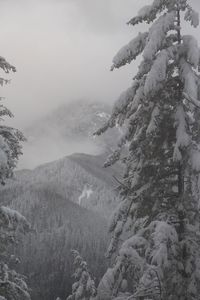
63	51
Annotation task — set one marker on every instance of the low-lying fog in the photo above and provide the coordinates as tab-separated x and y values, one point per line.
47	149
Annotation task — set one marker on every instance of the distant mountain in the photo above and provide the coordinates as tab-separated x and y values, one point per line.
68	129
80	178
68	202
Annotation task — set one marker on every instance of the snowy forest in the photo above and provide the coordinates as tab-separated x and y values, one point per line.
100	200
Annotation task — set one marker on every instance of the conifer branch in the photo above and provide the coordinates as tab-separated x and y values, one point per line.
194	101
121	183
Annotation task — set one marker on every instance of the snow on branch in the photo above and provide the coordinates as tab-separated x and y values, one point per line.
130	51
120	107
84	285
192	16
150	286
195	159
8	154
148	13
13	290
189	78
164	234
125	98
194	101
182	137
13	219
157	73
6	66
4	81
192	50
157	34
103	129
143	69
153	122
4	111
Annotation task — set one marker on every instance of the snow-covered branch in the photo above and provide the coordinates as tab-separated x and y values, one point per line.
194	101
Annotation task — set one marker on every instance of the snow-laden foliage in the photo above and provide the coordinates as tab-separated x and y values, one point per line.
149	12
182	137
153	123
84	286
158	34
5	66
10	149
10	138
189	78
157	73
192	50
141	261
130	51
155	241
192	16
12	285
11	222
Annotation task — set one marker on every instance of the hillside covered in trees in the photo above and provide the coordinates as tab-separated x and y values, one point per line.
68	203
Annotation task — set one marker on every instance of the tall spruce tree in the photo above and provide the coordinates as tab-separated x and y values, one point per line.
10	138
12	285
155	230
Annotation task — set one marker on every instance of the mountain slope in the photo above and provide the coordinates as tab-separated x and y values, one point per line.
59	226
94	165
69	177
67	202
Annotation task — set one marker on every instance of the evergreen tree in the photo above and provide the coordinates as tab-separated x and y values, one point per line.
84	286
155	230
12	285
10	138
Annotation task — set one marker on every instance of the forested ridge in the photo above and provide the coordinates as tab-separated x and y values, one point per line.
49	198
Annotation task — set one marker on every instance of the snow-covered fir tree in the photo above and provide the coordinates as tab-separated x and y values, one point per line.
84	286
10	138
155	230
12	285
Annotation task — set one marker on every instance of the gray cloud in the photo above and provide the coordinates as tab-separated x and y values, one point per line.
63	50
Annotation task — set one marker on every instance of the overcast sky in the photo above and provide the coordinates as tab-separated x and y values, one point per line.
63	50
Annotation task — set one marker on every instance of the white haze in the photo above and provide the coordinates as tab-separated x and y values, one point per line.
62	50
51	148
